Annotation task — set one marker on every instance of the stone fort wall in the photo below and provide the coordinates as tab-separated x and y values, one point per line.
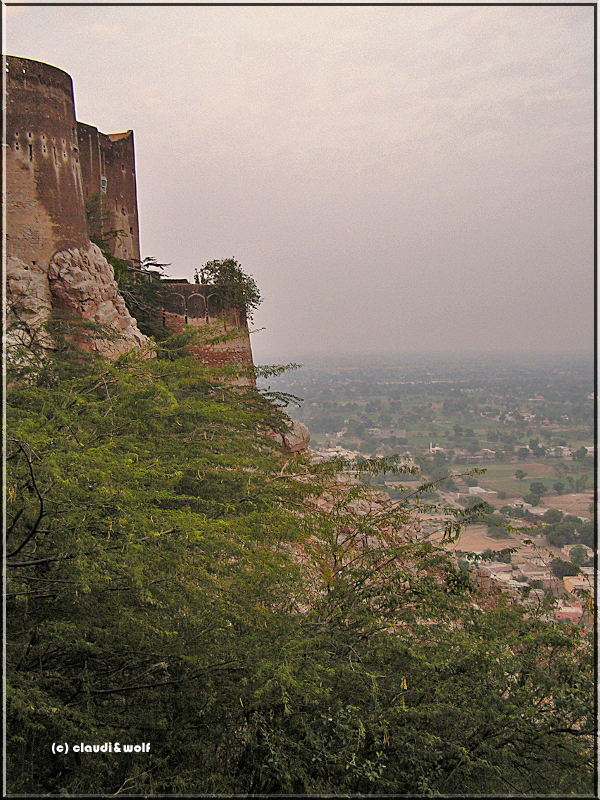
56	167
108	176
51	264
199	306
45	209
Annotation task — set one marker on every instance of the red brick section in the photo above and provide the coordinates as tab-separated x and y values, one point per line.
196	305
45	207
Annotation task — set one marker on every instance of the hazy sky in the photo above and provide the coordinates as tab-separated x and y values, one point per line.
394	178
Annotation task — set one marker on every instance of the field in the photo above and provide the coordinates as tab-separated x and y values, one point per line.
521	411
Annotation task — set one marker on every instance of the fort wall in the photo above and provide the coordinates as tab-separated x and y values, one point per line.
56	165
51	263
56	168
199	306
45	210
108	175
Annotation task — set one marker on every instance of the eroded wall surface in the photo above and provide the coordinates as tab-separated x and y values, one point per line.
199	306
50	261
45	209
108	175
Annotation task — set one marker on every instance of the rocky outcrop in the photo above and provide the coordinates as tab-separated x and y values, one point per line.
82	283
28	293
78	282
295	439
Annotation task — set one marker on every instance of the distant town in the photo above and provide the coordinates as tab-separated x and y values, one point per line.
525	428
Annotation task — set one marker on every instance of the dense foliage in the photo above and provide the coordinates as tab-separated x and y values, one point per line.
231	284
175	578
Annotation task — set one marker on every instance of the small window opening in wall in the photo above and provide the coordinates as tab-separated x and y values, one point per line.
130	229
64	154
31	152
44	148
55	156
29	134
17	147
123	211
43	137
123	167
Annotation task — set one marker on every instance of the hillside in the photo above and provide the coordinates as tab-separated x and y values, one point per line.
177	580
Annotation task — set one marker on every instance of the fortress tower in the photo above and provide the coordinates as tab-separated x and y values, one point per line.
108	173
51	263
45	209
59	170
56	166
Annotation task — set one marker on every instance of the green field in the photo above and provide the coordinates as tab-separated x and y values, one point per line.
501	477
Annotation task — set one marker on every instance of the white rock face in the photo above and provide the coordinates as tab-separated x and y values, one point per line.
82	283
28	304
78	282
296	438
28	292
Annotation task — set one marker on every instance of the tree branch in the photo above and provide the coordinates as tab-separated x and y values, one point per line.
41	509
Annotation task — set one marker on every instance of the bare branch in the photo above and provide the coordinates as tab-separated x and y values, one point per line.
35	526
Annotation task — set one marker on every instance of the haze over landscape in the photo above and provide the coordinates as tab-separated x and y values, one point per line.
358	558
396	179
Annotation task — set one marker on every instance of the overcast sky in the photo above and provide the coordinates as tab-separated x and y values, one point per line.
396	179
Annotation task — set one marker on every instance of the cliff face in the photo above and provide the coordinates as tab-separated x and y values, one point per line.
79	282
50	261
56	169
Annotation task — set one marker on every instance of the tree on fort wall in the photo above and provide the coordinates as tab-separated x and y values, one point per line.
233	287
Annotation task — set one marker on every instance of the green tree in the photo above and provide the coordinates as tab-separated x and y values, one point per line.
552	516
562	568
520	474
578	555
176	578
580	455
144	293
536	449
537	487
232	285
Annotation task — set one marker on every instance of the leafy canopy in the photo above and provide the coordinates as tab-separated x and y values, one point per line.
231	284
176	578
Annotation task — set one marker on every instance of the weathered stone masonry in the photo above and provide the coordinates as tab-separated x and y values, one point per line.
55	166
108	173
198	305
50	261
